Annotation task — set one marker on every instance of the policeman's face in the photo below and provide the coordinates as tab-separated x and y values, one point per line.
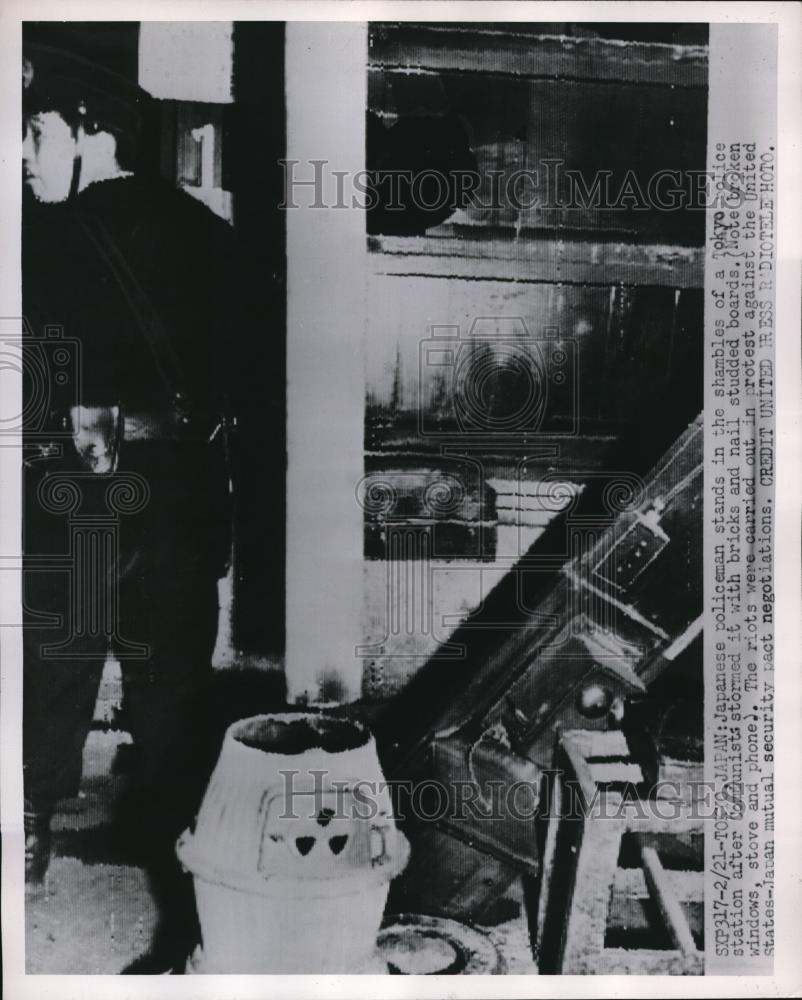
48	151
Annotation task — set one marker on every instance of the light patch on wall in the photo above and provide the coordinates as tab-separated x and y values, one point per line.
171	53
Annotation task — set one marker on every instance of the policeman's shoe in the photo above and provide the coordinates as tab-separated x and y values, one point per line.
37	848
157	962
168	953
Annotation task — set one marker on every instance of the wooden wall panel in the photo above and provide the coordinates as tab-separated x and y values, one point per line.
621	346
520	51
528	102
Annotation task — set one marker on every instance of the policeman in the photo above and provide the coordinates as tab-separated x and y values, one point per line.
135	283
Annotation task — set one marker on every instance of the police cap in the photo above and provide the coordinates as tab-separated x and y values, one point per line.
82	91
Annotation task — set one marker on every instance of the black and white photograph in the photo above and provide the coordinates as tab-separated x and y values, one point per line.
395	419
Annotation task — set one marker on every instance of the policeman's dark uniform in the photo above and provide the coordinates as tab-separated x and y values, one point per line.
141	279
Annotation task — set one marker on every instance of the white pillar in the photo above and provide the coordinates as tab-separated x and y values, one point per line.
326	73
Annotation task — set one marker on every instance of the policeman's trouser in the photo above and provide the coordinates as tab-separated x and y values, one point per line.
175	618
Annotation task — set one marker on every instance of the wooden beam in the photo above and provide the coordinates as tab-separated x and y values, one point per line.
581	771
688	886
542	261
662	892
437	49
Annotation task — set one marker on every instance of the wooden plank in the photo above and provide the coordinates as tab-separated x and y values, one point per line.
642	962
665	658
438	49
631	922
675	825
542	261
582	773
662	892
605	773
607	743
547	866
589	898
688	886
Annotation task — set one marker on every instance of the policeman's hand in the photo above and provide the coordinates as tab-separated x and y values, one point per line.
95	435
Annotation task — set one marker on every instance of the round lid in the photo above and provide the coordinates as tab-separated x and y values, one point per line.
413	944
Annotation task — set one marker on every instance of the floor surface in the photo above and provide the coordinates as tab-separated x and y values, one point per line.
95	913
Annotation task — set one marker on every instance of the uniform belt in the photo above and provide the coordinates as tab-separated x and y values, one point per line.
166	425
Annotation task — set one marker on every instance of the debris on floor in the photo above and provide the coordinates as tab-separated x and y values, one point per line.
88	919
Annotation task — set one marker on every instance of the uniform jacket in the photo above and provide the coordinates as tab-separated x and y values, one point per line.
162	337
